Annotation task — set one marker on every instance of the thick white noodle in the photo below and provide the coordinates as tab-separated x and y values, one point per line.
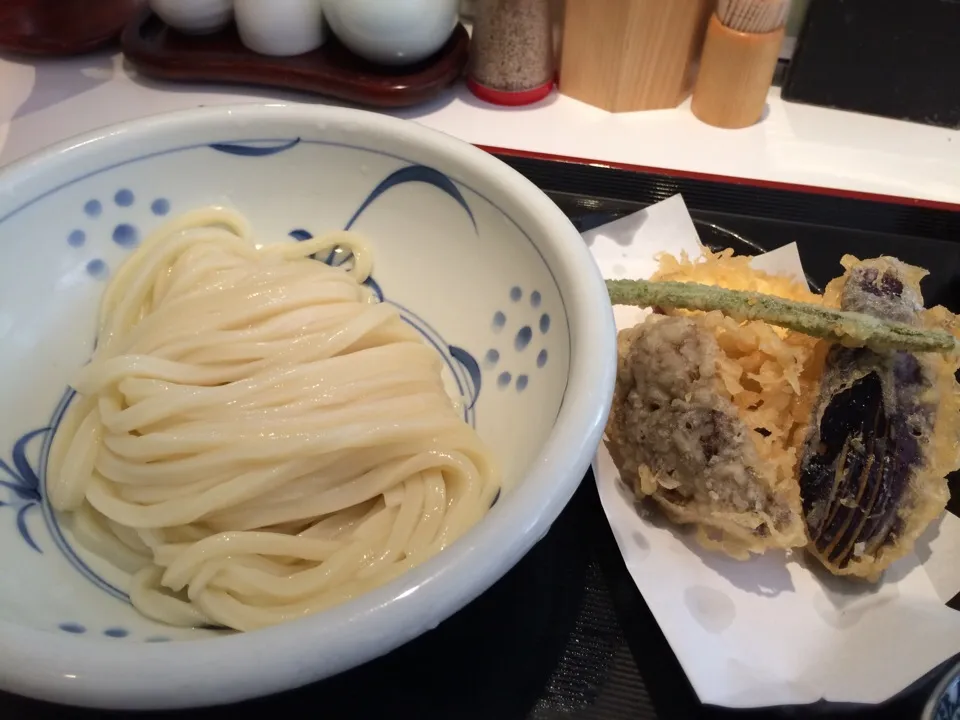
254	439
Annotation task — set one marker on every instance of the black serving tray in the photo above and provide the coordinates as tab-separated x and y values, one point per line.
566	635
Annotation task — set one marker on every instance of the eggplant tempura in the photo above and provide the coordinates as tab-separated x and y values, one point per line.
765	438
884	436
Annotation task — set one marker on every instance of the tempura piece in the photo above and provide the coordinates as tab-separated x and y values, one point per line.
884	431
677	435
708	413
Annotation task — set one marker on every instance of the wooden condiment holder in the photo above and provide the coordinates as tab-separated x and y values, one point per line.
624	55
736	71
159	51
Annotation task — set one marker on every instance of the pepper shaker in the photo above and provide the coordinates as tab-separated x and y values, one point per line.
512	55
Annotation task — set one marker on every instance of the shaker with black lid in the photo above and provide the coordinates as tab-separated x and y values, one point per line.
512	57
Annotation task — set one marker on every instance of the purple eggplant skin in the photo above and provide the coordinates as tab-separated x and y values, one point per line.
866	442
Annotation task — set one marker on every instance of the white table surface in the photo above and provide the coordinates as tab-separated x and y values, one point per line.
44	101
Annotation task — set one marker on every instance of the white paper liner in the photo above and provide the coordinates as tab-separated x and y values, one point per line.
774	629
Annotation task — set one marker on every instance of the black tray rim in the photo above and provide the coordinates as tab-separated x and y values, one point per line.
507	154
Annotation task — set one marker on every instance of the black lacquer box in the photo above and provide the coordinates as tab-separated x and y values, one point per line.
895	58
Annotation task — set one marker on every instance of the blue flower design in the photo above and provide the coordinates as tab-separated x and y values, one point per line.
23	485
948	707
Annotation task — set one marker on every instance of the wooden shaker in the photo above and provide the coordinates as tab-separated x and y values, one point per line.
628	55
736	72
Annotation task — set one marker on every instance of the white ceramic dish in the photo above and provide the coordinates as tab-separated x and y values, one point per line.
393	32
281	27
197	17
479	259
944	703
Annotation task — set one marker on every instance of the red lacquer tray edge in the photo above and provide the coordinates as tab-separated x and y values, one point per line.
37	35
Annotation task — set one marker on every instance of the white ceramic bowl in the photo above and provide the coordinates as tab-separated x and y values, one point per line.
392	32
197	17
479	259
281	27
944	703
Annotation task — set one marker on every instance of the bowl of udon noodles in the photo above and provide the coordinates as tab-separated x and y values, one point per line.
283	388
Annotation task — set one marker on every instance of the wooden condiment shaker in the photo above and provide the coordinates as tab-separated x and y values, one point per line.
738	62
626	55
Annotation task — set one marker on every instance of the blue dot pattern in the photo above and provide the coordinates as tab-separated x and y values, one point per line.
97	269
521	340
124	198
111	632
524	336
126	235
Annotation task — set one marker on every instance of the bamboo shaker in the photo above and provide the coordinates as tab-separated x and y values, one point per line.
627	55
739	59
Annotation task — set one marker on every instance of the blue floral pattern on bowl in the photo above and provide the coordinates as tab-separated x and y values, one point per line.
945	702
23	484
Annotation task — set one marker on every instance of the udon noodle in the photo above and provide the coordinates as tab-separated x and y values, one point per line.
256	439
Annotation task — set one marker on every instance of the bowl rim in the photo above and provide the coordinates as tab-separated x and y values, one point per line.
105	674
931	706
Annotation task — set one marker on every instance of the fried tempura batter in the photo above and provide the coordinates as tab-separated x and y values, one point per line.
884	435
724	420
678	436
